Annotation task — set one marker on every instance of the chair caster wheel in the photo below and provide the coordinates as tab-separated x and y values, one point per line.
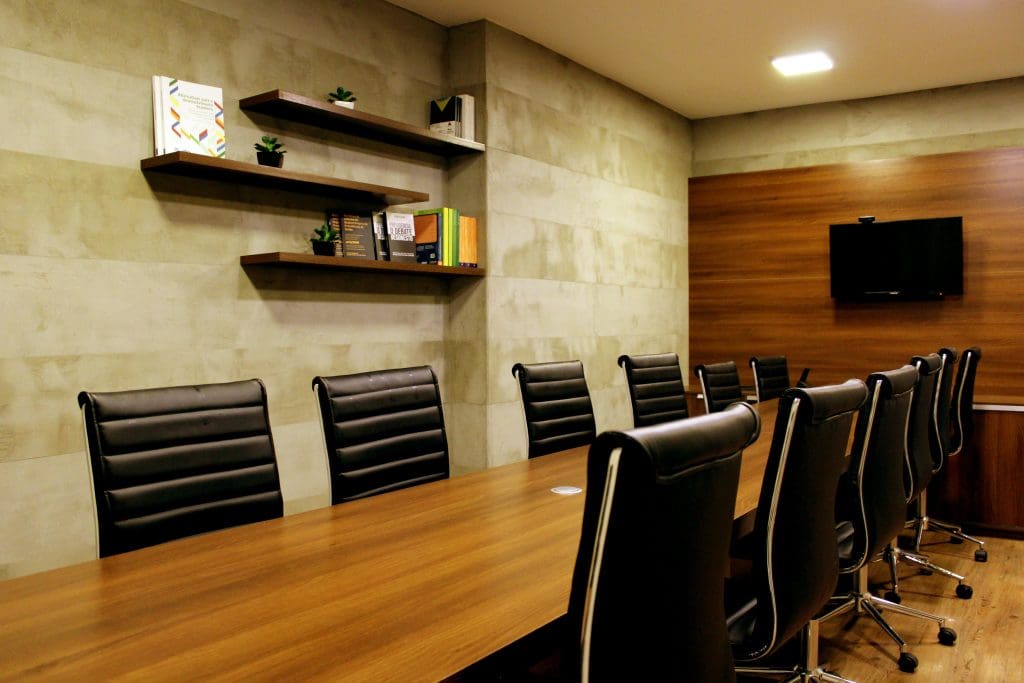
956	540
893	597
981	555
964	592
947	636
907	662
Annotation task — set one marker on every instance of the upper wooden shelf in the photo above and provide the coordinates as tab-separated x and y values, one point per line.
293	260
213	168
287	105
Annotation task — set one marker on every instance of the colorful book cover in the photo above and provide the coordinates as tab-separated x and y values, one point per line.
468	242
429	235
190	117
357	237
401	229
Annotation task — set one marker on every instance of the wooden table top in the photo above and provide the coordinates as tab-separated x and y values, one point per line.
412	585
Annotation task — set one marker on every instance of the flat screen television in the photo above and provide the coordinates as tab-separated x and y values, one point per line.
897	260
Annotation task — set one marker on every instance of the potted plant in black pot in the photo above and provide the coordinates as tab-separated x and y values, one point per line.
342	98
270	152
326	241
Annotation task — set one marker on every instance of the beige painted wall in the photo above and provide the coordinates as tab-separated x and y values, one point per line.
978	116
110	280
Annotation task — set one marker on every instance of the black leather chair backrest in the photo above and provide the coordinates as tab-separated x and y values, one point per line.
944	402
873	493
771	376
556	402
963	399
924	448
647	597
177	461
720	384
656	389
796	565
384	430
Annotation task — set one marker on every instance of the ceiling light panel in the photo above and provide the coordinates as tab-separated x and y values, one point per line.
805	63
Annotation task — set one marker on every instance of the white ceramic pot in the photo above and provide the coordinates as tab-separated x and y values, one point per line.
347	105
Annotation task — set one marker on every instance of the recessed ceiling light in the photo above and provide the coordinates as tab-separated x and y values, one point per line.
806	63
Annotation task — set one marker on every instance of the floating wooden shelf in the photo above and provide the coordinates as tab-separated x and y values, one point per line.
287	105
225	170
292	260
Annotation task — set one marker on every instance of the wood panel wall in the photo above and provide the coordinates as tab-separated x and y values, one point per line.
759	269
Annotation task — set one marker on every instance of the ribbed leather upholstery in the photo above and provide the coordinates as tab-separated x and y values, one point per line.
720	384
177	461
656	389
963	400
384	430
944	403
794	549
873	494
924	448
556	401
646	602
771	376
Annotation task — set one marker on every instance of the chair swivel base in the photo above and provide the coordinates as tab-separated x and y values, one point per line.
893	555
956	535
808	670
862	601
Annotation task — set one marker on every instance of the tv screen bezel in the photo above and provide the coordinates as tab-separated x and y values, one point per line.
943	236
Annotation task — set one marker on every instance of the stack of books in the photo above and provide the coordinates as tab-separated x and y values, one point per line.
436	236
454	116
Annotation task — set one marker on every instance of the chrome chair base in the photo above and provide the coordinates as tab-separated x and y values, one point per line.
808	670
956	535
893	555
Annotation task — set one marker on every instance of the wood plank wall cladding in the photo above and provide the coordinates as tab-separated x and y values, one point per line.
759	268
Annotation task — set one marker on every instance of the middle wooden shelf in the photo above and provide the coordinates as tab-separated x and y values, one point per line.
240	172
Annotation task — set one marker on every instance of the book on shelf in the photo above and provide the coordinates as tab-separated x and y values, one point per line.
188	117
401	229
468	257
357	238
380	236
445	237
429	235
454	116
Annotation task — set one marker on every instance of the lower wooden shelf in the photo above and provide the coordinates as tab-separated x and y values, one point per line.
282	259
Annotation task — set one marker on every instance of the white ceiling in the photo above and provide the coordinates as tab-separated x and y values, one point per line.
712	57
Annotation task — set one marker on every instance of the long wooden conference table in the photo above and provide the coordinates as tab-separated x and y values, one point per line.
413	585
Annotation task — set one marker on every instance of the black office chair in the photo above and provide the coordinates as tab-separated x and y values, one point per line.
656	390
957	428
793	547
771	376
646	602
383	431
720	385
556	402
924	457
178	461
872	504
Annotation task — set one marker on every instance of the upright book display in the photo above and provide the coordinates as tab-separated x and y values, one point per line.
188	117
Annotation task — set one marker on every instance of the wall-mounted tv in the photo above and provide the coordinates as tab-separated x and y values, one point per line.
897	260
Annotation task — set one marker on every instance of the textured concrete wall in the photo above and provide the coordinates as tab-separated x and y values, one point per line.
109	281
977	116
586	242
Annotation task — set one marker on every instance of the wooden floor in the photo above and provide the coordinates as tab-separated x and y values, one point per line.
990	625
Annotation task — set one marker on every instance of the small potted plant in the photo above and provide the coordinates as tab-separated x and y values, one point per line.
326	241
269	152
342	98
